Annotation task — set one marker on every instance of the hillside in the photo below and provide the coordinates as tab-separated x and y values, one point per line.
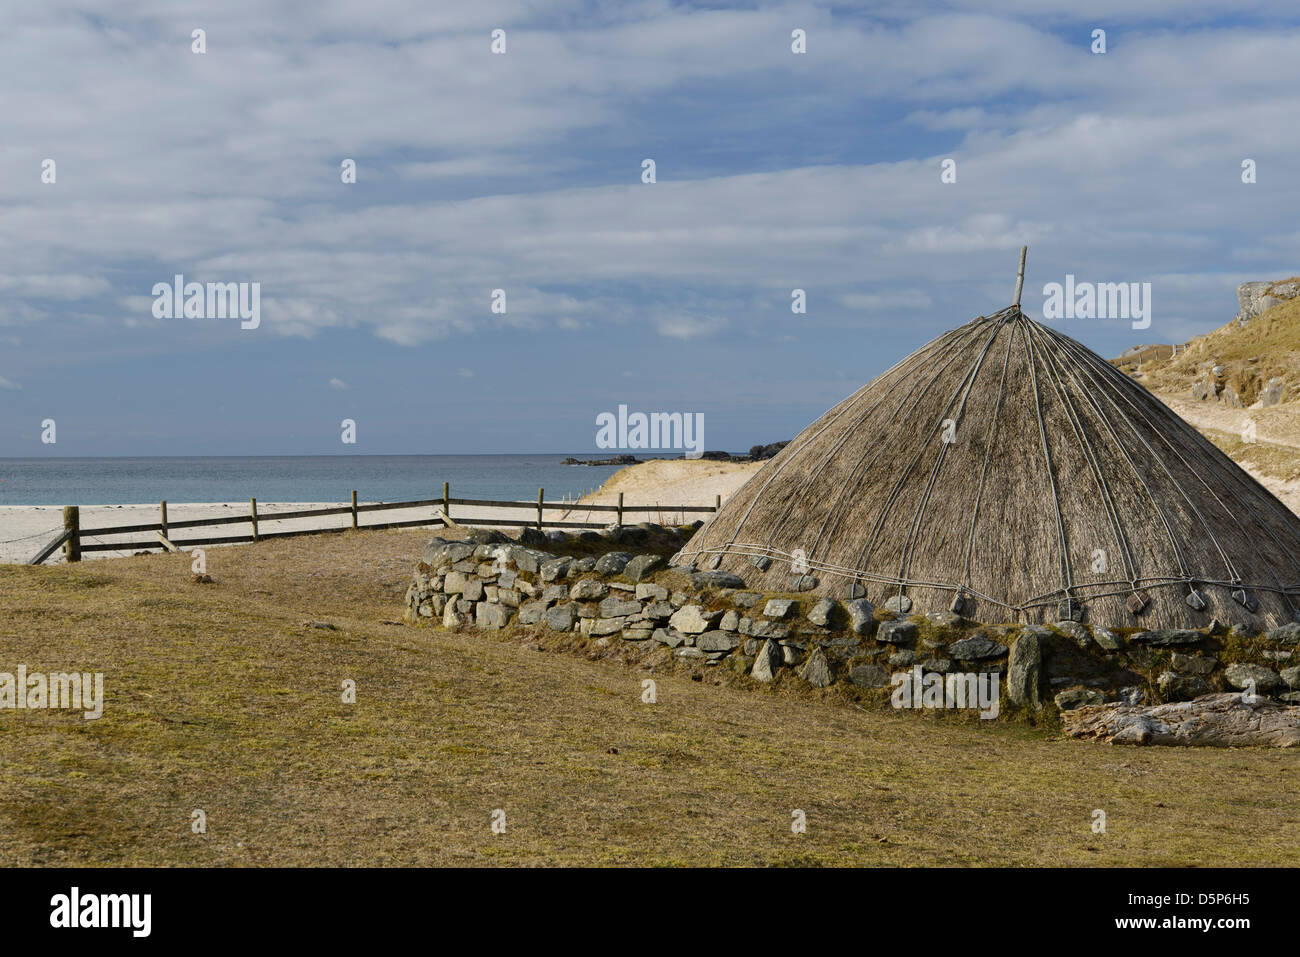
1236	365
1244	374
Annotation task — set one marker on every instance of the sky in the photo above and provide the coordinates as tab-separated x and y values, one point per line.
522	171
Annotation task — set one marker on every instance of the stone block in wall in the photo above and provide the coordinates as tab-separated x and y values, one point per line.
861	616
1193	664
976	648
817	670
651	591
616	606
717	641
589	589
488	615
612	563
1025	670
900	632
822	612
1176	687
870	676
659	610
532	612
693	619
1241	676
561	617
606	626
1287	634
777	607
473	590
769	629
451	618
642	566
766	662
667	636
555	569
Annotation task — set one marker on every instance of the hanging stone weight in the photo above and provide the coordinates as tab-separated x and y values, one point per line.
714	561
1246	600
1137	602
761	562
1069	610
1195	600
855	590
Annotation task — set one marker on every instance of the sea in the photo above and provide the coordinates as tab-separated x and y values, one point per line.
295	478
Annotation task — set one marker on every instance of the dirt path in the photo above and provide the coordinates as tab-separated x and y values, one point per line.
1273	459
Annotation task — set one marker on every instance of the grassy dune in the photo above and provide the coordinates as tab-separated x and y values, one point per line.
226	697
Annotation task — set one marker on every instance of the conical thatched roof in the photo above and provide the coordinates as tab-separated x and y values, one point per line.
1008	467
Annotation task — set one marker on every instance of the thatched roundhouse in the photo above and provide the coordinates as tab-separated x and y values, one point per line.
1007	472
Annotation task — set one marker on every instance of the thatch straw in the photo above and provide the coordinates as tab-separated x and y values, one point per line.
1064	480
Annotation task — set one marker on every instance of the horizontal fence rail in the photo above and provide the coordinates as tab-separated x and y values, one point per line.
71	539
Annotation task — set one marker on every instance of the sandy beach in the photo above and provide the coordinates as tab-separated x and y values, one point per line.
656	485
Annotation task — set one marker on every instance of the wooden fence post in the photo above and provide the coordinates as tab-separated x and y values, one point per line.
72	523
252	508
620	508
539	508
354	508
162	516
446	499
717	503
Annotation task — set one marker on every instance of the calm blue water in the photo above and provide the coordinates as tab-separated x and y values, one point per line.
298	478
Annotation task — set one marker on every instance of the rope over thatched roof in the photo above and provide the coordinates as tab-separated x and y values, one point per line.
1007	471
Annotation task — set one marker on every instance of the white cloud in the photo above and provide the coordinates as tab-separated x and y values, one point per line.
339	385
8	384
688	327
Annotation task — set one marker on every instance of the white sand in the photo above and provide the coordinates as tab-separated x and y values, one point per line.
25	529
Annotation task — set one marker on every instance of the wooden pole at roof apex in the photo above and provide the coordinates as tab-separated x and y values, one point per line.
1020	276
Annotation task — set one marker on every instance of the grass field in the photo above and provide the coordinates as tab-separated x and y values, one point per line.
224	697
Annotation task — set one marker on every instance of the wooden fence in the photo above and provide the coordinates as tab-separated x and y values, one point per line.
72	538
1150	352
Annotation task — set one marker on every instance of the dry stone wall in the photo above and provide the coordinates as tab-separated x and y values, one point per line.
616	587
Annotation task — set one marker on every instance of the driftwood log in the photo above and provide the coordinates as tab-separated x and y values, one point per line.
1232	720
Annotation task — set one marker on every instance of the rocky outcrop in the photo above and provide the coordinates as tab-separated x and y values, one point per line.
1254	298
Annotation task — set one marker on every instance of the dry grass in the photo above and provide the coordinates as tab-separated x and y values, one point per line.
218	697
